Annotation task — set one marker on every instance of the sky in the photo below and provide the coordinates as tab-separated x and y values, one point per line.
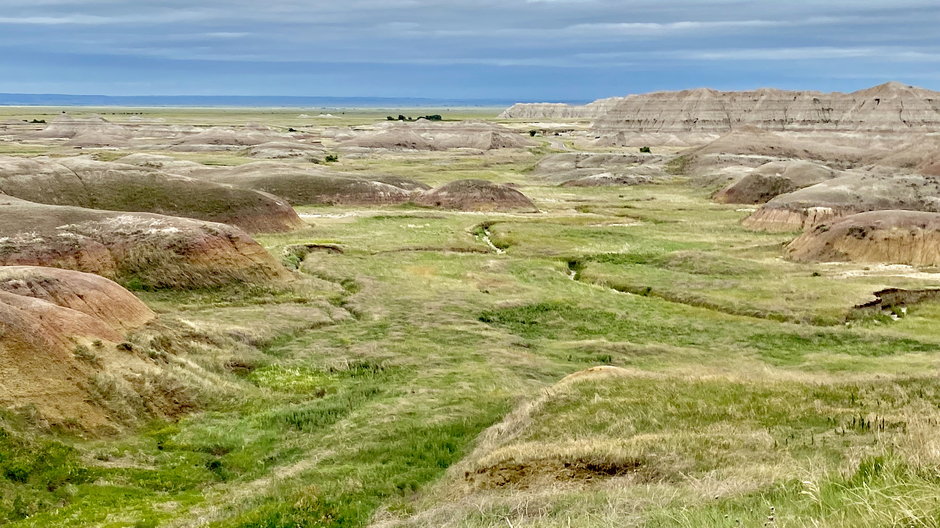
524	50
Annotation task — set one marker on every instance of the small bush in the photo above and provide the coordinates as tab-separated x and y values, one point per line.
646	150
85	354
331	158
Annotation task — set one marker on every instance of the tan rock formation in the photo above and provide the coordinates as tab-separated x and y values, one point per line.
592	110
59	328
429	135
921	155
852	193
890	107
139	249
890	237
773	179
68	127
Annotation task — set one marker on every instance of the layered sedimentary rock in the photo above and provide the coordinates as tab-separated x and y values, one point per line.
68	127
873	190
225	138
773	179
59	328
560	110
429	135
287	150
87	293
890	237
139	249
921	155
890	107
83	182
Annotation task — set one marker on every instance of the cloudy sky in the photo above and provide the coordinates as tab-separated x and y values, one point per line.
507	49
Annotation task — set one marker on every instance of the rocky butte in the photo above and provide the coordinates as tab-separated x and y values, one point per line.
889	107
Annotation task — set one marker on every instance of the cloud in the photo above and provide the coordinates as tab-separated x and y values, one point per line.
625	43
809	53
160	17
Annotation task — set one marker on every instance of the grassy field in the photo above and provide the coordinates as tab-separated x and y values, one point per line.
414	376
275	117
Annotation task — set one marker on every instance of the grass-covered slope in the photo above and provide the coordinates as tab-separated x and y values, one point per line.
84	182
421	371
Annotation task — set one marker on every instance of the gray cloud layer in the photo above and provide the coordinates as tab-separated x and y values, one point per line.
340	48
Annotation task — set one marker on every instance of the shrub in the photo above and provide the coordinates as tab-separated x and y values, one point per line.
646	150
85	354
331	158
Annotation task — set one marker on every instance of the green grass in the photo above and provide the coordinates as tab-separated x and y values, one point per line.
363	390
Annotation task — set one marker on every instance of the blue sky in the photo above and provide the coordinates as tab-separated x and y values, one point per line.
511	49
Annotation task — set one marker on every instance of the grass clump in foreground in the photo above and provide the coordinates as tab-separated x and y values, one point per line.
662	450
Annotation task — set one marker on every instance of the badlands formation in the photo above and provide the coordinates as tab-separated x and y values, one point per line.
47	314
645	310
140	249
885	236
889	107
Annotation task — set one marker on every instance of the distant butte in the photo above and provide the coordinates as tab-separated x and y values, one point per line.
889	107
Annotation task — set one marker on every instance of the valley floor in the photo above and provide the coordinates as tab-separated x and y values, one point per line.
421	371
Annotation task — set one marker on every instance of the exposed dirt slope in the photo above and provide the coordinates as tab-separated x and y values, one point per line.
90	294
224	138
427	135
476	195
753	147
67	127
855	192
137	249
59	328
890	237
921	155
772	179
286	150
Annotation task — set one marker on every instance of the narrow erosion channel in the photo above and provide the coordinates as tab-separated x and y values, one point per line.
575	273
483	231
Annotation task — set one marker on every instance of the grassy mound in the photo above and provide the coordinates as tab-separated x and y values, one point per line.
476	195
304	185
93	184
608	444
